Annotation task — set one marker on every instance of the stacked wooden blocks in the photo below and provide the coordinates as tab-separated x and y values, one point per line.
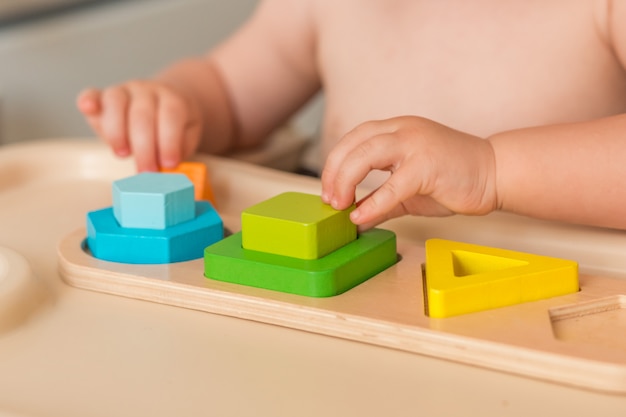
296	244
154	219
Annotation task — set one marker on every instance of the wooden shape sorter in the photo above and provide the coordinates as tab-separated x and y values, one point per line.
547	339
544	339
462	278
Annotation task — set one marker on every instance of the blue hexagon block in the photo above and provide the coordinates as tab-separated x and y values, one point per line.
153	200
108	241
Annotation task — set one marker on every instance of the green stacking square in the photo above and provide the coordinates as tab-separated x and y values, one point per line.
371	253
297	225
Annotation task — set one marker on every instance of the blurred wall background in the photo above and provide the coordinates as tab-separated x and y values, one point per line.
51	49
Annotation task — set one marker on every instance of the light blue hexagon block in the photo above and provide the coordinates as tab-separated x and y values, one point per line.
152	200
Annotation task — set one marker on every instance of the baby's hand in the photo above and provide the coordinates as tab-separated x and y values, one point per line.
147	119
435	171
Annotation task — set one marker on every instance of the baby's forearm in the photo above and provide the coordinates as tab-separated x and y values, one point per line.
198	80
573	172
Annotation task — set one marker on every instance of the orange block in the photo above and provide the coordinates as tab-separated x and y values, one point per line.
197	174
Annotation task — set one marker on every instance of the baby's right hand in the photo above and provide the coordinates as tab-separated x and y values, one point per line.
147	119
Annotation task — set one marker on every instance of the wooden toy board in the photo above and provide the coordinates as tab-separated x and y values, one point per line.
577	340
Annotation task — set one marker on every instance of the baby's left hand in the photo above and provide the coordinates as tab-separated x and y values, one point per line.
435	171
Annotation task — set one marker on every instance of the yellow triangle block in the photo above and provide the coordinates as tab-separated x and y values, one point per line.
463	278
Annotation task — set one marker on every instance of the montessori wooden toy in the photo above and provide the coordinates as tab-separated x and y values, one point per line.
462	278
154	220
296	244
198	175
576	339
551	339
153	201
296	224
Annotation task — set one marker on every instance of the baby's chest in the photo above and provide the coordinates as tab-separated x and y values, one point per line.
478	70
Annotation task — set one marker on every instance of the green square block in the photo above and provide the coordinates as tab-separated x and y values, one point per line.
297	225
372	252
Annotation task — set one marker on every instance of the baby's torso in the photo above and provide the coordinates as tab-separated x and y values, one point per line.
479	66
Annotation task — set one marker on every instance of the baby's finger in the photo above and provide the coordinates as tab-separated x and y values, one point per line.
171	125
347	144
142	128
377	153
395	212
372	223
88	102
113	119
385	202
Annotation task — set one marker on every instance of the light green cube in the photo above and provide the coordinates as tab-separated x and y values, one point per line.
297	225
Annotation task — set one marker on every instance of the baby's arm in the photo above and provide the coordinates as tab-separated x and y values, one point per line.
233	97
571	172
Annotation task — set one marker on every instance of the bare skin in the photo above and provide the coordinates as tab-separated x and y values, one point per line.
471	106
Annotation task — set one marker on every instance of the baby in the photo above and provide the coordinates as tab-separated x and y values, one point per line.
470	107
